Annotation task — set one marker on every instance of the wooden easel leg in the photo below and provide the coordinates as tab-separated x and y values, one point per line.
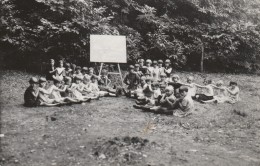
101	66
120	74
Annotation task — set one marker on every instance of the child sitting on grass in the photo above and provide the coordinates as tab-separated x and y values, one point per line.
149	67
77	73
184	105
68	70
66	86
104	82
50	70
138	93
56	93
131	80
168	69
137	70
59	71
175	82
150	102
155	72
76	89
96	92
147	92
43	96
31	93
221	93
191	85
165	102
209	93
160	66
233	92
163	82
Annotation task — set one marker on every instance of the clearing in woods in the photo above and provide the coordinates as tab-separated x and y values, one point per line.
111	132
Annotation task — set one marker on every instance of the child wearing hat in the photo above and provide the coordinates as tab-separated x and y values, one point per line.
156	71
31	93
131	80
43	96
168	68
184	105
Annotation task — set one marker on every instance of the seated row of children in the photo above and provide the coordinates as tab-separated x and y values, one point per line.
148	84
45	93
172	95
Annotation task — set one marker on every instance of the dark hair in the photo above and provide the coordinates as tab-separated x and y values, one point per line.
232	83
56	81
183	89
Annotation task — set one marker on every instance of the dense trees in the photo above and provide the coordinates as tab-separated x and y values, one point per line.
217	35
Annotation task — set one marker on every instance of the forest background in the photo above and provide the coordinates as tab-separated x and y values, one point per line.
197	35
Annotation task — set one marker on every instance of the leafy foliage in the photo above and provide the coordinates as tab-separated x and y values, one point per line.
227	31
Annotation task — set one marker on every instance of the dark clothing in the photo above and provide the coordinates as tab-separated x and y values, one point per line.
103	81
143	69
202	97
132	80
68	72
48	74
176	87
29	98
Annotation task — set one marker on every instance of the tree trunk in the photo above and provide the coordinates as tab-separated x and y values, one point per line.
202	58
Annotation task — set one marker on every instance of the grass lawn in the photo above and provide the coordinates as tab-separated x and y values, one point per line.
111	132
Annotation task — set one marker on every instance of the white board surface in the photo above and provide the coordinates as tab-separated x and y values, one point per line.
108	48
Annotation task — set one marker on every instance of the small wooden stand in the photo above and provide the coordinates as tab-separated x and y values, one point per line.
119	73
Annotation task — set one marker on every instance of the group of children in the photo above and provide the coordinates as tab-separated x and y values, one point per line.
152	83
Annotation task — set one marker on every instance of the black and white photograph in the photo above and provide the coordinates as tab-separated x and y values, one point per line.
129	82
